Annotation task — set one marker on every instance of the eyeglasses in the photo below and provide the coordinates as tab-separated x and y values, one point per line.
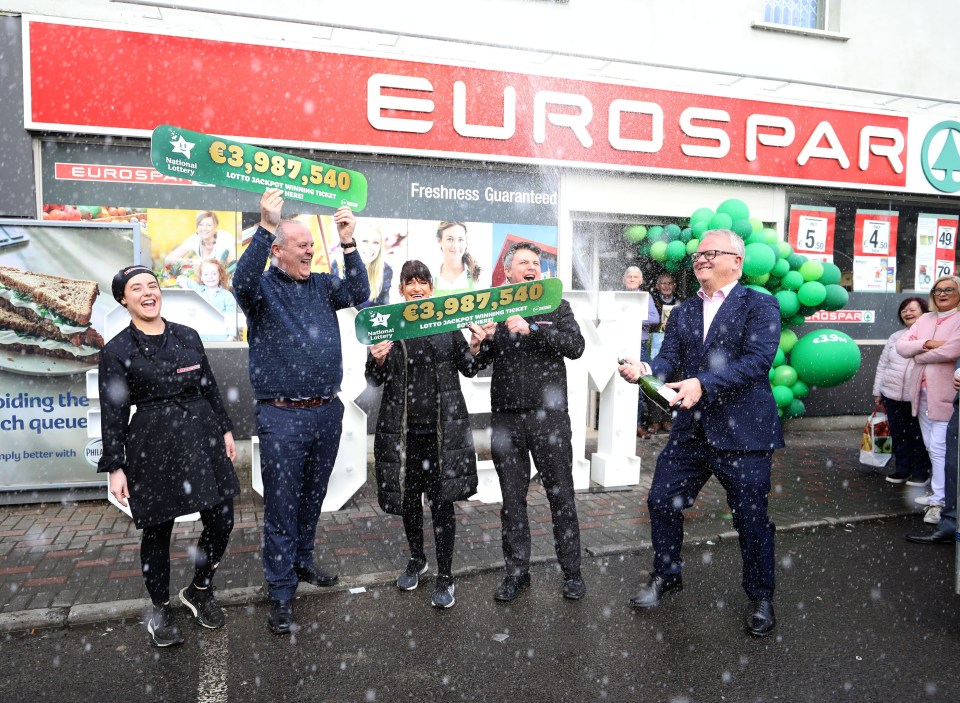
944	291
710	254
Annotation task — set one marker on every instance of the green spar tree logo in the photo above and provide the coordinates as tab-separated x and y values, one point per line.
947	161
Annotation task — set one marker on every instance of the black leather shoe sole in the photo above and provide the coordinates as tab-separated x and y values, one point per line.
648	598
932	538
506	594
318	578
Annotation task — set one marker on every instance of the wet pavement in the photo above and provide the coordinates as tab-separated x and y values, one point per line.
70	563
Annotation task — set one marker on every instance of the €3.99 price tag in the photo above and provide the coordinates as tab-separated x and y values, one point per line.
421	318
224	162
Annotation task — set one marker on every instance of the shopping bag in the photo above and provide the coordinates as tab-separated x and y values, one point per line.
876	447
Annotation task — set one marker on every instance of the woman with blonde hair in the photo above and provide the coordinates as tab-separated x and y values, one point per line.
933	345
370	246
207	242
459	270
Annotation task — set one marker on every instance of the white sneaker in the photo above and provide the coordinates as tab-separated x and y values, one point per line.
932	514
924	499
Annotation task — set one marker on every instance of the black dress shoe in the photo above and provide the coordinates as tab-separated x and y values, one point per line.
760	619
510	587
574	588
935	537
312	575
657	587
280	619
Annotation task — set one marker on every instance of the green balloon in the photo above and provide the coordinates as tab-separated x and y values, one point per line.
800	389
770	375
811	270
686	234
792	280
692	245
795	409
671	232
789	303
796	261
635	233
759	289
644	250
701	214
779	358
812	293
783	396
788	339
734	208
770	235
797	320
742	227
825	358
836	297
720	221
655	233
784	250
699	227
758	280
672	266
831	274
676	250
658	250
756	223
784	375
781	268
758	259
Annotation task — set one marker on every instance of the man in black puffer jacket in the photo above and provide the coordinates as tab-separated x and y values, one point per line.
528	397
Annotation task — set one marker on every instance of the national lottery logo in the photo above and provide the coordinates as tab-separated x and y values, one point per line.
378	319
181	145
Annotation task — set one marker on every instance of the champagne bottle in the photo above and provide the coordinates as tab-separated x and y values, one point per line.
657	393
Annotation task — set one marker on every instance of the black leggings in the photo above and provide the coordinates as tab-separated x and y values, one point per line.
423	475
155	550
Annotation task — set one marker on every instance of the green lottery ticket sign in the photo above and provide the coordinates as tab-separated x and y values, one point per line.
224	162
421	318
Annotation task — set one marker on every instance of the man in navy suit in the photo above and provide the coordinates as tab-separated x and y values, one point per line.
718	350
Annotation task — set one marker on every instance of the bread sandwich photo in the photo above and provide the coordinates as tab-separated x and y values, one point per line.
48	316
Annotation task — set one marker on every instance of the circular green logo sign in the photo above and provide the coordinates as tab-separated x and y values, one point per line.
947	159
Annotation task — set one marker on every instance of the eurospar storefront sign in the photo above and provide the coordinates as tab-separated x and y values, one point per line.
298	97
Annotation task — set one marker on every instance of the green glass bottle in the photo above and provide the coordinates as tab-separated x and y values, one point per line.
657	393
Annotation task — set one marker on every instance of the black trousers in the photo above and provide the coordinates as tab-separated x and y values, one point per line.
155	550
909	451
544	434
423	476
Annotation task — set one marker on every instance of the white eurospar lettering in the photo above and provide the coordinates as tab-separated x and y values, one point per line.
710	127
114	174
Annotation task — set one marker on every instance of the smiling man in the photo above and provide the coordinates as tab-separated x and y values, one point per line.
295	369
717	351
528	396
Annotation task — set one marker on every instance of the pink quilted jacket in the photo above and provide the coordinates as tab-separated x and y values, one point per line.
935	365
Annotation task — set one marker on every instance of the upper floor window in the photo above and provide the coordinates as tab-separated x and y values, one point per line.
806	14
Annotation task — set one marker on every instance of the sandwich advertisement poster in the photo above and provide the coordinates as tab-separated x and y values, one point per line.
54	295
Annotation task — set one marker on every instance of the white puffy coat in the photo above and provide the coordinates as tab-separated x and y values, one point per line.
892	379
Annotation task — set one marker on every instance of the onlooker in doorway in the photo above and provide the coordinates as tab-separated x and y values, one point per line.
632	281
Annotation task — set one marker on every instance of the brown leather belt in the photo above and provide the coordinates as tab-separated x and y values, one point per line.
303	403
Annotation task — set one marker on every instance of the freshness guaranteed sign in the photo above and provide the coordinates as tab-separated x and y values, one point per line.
422	318
224	162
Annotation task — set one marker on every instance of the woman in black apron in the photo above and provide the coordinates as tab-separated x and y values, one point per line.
173	457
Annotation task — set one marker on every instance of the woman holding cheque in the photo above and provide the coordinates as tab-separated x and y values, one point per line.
423	441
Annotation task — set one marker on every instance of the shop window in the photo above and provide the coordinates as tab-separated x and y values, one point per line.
804	14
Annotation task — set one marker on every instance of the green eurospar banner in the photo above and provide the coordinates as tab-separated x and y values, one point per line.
223	162
421	318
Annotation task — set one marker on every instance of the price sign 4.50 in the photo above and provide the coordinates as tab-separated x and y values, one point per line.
224	162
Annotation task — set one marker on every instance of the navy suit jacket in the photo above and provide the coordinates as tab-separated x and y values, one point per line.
737	410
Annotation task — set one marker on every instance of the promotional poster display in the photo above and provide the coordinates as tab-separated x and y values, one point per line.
875	251
936	248
54	297
453	312
811	231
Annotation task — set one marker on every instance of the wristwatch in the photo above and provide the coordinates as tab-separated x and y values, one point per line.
348	245
533	326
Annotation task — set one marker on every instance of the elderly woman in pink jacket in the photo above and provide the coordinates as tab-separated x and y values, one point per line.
933	343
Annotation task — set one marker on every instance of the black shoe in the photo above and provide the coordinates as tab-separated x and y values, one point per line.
760	619
163	627
897	478
510	587
657	587
312	575
206	611
409	579
280	619
443	592
935	537
574	588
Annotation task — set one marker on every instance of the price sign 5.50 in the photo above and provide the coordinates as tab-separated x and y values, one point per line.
452	312
223	162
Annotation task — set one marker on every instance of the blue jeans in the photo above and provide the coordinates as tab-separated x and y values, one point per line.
298	447
948	518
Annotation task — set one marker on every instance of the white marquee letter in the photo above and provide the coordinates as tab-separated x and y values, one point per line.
377	102
891	151
649	146
576	123
691	130
509	127
778	140
833	151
